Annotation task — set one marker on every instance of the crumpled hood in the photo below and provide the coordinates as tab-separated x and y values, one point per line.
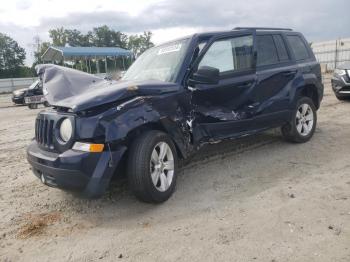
66	87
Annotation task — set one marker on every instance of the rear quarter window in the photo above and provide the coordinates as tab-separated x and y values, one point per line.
298	47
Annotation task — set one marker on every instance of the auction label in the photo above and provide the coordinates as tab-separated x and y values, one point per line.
169	49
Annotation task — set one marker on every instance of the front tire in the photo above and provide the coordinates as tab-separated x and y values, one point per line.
152	167
303	124
32	106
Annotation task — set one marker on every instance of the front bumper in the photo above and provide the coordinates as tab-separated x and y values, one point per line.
19	100
341	85
88	173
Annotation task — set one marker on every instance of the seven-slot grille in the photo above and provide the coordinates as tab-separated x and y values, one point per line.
44	132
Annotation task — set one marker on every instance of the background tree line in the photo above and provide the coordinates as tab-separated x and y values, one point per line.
12	56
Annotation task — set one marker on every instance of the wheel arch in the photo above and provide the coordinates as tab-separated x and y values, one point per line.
310	90
170	129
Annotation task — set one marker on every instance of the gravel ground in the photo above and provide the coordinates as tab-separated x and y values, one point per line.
255	199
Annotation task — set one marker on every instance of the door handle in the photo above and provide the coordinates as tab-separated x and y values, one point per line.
290	73
244	85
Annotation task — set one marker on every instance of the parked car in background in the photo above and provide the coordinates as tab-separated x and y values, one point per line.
175	98
18	96
341	81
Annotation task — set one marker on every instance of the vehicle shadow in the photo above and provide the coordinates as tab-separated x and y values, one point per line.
218	173
12	106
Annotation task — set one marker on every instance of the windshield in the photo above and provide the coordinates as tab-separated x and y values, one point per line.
34	85
159	63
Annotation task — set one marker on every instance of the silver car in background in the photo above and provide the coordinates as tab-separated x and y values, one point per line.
341	81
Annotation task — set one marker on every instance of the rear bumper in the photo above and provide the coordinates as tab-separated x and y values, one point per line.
88	173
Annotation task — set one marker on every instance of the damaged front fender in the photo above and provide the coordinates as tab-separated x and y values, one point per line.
116	124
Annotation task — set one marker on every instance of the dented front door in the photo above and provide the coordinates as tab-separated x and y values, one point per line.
226	109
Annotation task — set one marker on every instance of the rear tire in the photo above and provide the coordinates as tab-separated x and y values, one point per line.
303	124
152	167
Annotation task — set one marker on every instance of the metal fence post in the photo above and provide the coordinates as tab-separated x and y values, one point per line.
336	54
12	85
106	67
97	65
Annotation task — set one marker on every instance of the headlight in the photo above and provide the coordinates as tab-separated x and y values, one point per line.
18	93
66	130
339	72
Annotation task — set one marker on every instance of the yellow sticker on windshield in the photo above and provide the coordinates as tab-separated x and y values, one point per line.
169	49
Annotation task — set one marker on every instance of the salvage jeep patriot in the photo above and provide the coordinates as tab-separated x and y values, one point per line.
175	98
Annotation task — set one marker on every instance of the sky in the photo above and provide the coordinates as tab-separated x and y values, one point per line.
318	20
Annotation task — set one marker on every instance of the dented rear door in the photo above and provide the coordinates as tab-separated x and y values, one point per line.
275	72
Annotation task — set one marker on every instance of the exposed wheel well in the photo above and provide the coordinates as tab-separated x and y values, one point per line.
311	92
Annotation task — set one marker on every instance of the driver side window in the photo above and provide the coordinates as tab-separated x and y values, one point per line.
230	55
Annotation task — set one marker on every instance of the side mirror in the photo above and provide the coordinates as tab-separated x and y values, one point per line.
205	75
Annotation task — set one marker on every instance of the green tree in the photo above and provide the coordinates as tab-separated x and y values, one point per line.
12	57
140	43
75	38
103	36
58	36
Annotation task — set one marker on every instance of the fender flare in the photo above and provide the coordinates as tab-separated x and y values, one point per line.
311	86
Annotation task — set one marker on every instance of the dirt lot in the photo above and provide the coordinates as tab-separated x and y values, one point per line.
256	199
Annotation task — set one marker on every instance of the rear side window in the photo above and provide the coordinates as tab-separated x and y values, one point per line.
298	47
281	48
267	53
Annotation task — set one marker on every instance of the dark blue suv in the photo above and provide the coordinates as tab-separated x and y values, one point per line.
175	98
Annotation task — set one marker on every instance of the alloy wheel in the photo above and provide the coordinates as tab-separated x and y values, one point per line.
304	119
162	166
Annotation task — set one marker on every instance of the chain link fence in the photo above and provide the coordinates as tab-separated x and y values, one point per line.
331	54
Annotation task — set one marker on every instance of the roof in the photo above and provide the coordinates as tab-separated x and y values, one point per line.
263	28
239	29
58	53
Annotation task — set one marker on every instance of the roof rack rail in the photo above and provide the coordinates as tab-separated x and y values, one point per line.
263	28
